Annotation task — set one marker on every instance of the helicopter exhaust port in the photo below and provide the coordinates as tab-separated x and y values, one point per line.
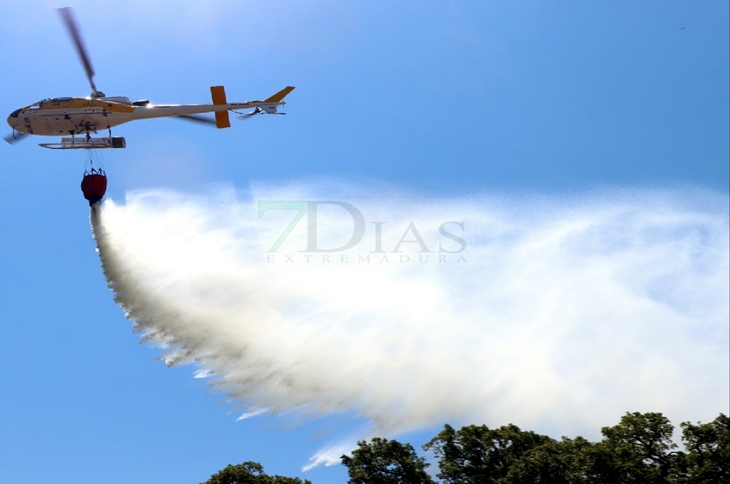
87	143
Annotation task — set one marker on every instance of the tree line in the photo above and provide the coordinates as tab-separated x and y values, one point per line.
638	450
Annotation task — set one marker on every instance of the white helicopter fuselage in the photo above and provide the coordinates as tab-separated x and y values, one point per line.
70	116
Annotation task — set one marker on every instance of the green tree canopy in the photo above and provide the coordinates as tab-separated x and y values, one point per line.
708	450
384	461
638	449
476	454
554	462
250	473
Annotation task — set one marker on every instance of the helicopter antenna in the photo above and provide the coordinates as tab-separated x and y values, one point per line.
73	30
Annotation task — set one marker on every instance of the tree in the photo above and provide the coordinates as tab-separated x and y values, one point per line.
480	455
553	462
384	461
708	450
637	450
250	473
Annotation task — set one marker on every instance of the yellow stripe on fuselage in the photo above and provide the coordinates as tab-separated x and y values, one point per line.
83	103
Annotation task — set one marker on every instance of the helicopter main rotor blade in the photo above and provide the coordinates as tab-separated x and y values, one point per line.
197	119
68	19
14	137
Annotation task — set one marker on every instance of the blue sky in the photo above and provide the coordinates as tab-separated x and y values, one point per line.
511	99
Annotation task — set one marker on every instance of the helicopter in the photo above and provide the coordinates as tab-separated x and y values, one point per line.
76	119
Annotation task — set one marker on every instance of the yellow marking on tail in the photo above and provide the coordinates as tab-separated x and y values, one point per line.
219	97
279	95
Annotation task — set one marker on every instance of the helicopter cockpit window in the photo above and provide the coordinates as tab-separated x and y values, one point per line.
61	99
39	104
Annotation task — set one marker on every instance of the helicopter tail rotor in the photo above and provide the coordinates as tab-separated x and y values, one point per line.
69	21
251	114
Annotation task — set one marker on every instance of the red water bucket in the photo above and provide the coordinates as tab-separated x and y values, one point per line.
94	186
